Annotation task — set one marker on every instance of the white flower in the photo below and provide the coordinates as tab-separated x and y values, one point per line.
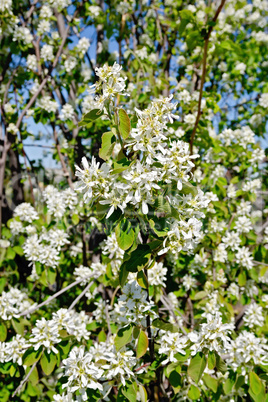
47	53
254	316
48	104
83	46
189	282
45	12
59	4
70	64
157	274
170	344
221	254
232	240
241	67
81	372
67	112
26	212
190	119
32	62
244	258
264	100
213	335
43	26
11	128
243	224
22	34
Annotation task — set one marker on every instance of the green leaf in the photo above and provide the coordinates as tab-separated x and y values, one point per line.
31	356
255	383
120	166
197	366
34	378
175	379
48	362
18	250
124	123
123	274
143	393
12	370
94	114
18	325
51	275
211	360
142	280
256	389
124	234
199	295
3	332
108	141
123	336
228	386
210	382
136	332
162	205
138	258
221	366
239	382
166	326
130	391
159	226
10	255
194	392
75	219
242	279
142	344
102	336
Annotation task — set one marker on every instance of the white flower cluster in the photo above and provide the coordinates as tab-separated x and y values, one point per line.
59	4
245	349
48	104
67	112
172	343
26	212
45	248
47	332
82	46
138	186
243	136
13	303
22	34
32	62
110	84
212	336
47	53
13	350
90	370
132	305
58	201
70	64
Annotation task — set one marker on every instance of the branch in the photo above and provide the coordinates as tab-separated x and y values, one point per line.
63	164
31	310
25	379
80	296
204	68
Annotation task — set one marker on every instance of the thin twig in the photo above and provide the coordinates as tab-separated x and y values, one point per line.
25	379
204	68
31	310
167	304
80	296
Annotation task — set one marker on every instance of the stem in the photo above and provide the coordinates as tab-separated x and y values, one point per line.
204	68
25	379
30	311
80	296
